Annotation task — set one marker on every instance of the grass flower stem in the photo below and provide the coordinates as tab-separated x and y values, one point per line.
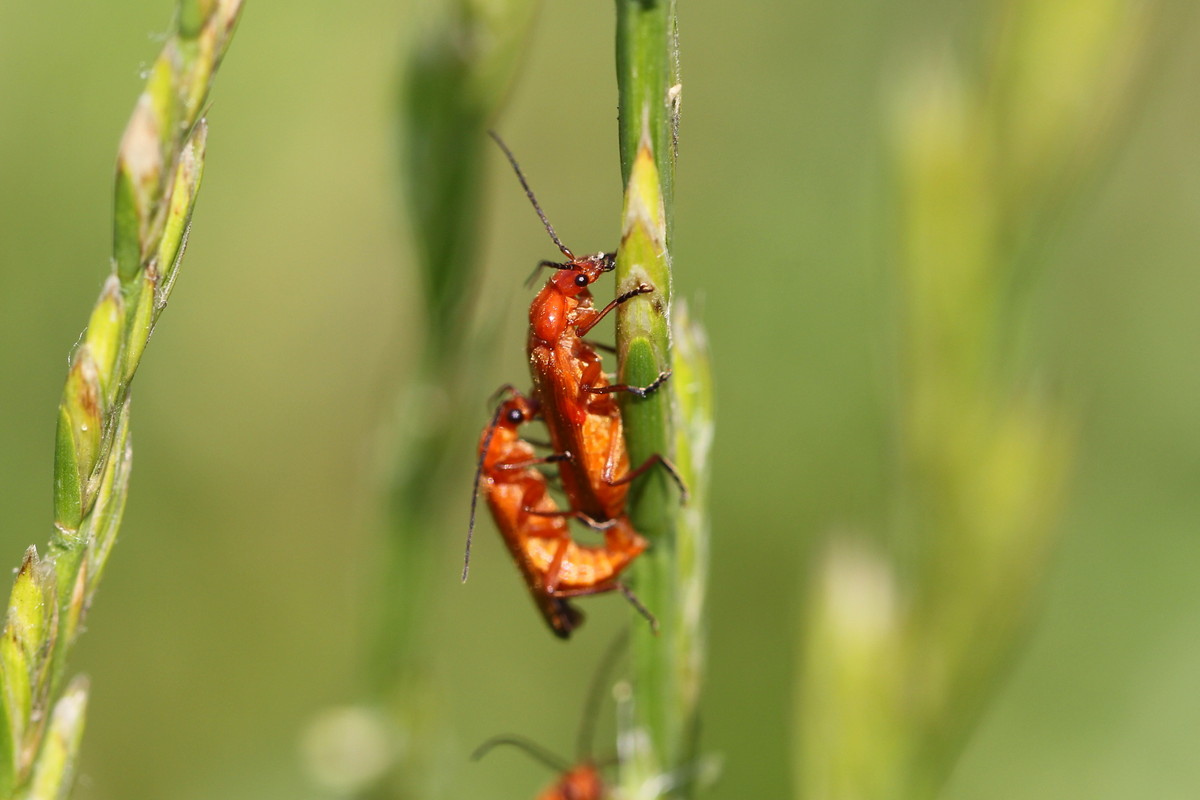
159	166
658	743
464	59
906	636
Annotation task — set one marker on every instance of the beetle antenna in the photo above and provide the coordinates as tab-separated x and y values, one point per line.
487	443
529	193
507	390
536	751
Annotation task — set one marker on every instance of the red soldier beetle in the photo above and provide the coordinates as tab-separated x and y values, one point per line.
582	417
537	532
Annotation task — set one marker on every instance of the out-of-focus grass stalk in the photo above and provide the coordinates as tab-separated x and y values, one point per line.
464	59
159	166
658	742
903	644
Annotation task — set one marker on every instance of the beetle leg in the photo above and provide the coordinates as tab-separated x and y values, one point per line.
639	391
553	458
658	460
641	288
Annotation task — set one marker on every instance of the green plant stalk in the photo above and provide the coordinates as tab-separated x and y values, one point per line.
903	649
849	721
159	167
658	749
54	771
693	395
454	84
648	90
986	453
643	353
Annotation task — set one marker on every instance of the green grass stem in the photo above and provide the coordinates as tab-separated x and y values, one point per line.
648	89
658	745
904	643
159	166
464	60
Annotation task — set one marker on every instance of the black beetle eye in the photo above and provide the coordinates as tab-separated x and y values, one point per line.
581	280
515	416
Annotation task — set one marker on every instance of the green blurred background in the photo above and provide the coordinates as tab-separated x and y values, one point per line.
234	608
